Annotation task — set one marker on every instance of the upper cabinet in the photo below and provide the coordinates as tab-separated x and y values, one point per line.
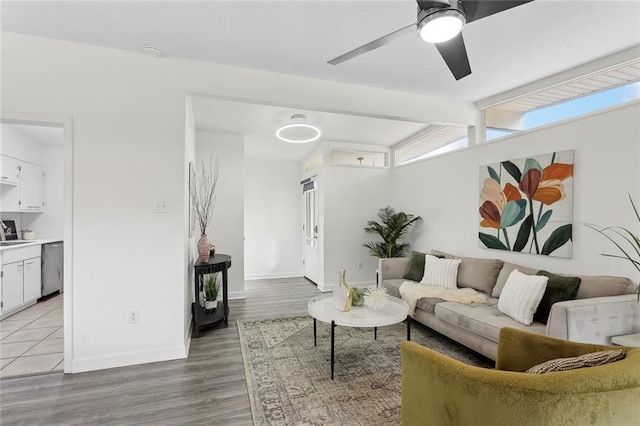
27	193
9	170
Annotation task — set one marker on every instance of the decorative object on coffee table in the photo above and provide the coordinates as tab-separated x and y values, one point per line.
375	297
394	225
203	199
357	296
342	294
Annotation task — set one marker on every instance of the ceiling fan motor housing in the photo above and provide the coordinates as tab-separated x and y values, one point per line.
426	8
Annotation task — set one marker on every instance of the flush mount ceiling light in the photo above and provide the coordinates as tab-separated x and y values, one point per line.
298	130
440	25
152	51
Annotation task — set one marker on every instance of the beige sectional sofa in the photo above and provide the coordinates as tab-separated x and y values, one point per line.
604	306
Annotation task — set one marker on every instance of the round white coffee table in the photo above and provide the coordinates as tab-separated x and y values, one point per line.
321	308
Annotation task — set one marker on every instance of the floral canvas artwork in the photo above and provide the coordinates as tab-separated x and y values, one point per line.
526	205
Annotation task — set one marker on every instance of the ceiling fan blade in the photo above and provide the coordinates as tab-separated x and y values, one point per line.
455	56
478	9
373	44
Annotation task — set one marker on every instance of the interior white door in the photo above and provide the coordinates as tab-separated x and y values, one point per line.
311	261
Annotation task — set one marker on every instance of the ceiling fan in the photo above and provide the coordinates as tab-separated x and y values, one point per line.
440	22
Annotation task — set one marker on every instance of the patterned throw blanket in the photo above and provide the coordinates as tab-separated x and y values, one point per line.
411	292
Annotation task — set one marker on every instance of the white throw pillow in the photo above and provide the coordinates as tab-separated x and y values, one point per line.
521	296
440	272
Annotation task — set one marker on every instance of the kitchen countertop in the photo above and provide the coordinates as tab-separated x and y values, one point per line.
28	243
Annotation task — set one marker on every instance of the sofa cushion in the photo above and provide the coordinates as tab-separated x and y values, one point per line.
592	359
393	286
440	272
522	295
482	319
600	286
479	274
428	304
415	271
507	269
559	288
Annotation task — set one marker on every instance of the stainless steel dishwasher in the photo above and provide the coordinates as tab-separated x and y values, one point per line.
52	267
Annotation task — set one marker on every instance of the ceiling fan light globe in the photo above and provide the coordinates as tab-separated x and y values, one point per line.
441	25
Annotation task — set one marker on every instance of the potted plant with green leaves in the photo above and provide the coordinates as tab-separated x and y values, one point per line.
392	227
211	290
625	240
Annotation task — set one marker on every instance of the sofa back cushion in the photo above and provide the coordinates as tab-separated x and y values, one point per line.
507	269
601	286
476	273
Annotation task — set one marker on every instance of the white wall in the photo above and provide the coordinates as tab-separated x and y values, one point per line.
128	115
273	218
445	190
352	196
226	231
190	250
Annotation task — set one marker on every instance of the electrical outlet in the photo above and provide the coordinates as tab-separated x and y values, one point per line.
160	206
134	316
360	265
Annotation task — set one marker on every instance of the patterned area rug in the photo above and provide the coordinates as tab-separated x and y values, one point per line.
289	379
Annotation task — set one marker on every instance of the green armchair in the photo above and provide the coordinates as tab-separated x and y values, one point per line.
438	390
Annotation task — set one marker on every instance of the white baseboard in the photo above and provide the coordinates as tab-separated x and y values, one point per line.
128	358
235	295
187	335
272	275
329	287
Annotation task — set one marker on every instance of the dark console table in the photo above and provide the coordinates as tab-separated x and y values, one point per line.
201	317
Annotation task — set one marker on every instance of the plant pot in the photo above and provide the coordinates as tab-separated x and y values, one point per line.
210	304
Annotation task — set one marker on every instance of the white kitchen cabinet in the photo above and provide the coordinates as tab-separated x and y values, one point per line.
9	168
20	278
24	190
32	284
12	286
31	187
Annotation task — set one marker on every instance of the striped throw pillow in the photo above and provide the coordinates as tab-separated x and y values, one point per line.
521	296
440	272
587	360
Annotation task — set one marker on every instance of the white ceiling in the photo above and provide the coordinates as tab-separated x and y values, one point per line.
506	50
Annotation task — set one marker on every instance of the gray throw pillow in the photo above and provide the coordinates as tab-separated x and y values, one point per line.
415	271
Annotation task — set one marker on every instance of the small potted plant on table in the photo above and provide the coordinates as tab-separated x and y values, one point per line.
211	290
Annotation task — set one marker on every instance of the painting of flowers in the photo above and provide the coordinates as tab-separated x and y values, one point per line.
526	205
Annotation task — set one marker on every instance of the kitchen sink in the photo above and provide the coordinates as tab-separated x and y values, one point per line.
12	243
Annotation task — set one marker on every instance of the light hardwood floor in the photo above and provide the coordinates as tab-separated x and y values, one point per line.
206	388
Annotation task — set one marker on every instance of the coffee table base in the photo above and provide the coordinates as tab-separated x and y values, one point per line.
333	338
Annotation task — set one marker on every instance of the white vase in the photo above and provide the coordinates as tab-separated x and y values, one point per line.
342	294
210	304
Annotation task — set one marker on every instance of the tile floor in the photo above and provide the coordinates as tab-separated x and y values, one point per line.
31	341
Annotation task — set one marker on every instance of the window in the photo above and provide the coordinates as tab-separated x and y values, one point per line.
609	87
436	140
358	158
